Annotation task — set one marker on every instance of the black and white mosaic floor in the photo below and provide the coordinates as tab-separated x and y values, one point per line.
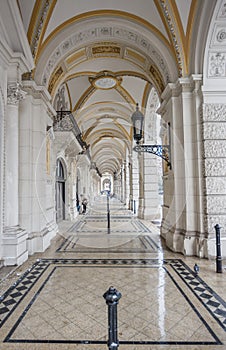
57	303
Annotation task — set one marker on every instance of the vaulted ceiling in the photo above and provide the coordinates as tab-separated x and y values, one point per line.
107	55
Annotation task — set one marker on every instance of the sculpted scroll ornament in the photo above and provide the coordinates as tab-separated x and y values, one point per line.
15	93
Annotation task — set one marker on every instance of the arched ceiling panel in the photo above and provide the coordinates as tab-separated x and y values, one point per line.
145	9
108	54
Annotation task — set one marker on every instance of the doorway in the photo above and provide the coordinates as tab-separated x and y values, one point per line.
60	191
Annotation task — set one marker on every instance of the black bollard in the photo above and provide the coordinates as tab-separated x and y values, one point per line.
218	244
112	297
108	214
134	207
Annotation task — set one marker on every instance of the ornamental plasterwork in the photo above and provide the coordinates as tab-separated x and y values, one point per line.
222	12
62	124
15	94
173	35
100	33
38	27
218	39
214	112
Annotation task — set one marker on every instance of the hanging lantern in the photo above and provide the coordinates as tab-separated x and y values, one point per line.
137	119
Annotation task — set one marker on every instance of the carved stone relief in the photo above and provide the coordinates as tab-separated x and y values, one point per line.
15	93
60	100
222	12
217	65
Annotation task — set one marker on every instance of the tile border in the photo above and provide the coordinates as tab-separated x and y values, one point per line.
31	276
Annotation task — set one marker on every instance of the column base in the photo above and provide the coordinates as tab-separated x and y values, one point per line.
40	241
141	208
14	242
190	243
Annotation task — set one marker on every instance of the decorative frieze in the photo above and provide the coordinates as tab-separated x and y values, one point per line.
214	112
15	93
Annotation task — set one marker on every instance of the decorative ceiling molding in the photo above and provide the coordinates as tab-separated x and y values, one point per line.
217	44
166	14
41	14
79	39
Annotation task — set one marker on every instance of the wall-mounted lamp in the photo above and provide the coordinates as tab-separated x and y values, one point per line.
162	151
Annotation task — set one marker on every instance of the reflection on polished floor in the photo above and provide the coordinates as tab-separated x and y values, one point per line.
55	300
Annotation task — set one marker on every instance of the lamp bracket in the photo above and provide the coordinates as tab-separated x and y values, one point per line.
162	151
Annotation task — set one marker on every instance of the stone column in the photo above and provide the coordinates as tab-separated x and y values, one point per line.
135	183
141	186
151	162
130	206
125	183
215	171
14	237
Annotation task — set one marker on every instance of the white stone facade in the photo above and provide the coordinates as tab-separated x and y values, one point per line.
193	118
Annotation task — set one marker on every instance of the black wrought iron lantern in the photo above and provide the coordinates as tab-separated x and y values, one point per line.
137	119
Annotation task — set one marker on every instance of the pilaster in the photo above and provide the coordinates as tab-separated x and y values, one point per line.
214	129
37	187
14	237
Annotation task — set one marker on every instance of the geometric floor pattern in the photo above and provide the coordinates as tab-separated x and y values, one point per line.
57	302
119	225
108	243
48	303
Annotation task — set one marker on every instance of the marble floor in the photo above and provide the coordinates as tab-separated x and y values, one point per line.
55	300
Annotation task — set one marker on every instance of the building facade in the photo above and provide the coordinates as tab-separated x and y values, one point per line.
69	84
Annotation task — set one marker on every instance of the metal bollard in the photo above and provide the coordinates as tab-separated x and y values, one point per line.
112	297
218	244
134	207
108	214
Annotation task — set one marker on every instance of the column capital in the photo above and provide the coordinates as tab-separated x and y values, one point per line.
15	93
